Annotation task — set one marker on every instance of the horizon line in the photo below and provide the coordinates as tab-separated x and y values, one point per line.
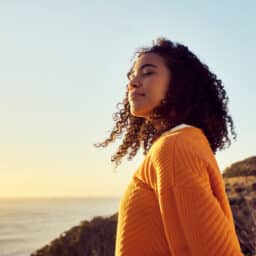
57	197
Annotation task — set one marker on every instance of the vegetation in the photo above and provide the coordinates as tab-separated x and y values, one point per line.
246	167
90	238
97	237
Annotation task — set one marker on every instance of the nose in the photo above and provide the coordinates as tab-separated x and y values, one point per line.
133	84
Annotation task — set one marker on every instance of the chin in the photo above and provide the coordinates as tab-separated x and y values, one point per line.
139	113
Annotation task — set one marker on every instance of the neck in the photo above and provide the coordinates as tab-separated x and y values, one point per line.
160	125
163	124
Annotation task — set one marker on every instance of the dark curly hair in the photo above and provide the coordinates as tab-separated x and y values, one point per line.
196	94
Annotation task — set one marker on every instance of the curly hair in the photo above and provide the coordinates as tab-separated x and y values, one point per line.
196	94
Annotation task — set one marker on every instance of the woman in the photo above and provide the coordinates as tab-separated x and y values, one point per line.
175	203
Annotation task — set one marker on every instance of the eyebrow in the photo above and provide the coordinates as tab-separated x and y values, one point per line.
143	66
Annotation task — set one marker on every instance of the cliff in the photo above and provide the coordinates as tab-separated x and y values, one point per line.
97	237
240	184
90	238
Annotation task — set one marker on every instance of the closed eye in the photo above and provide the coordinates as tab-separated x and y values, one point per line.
148	73
130	77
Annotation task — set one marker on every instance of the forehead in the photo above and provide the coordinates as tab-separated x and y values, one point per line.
148	58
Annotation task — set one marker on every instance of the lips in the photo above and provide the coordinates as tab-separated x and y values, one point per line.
135	95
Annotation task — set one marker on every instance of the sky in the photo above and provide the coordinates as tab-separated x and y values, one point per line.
63	68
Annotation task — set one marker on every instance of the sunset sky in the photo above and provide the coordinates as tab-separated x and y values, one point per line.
63	68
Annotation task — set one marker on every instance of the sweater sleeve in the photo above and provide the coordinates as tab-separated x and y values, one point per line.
190	203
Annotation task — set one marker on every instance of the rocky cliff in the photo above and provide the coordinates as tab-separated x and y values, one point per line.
97	237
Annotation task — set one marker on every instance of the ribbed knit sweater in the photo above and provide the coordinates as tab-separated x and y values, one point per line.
175	203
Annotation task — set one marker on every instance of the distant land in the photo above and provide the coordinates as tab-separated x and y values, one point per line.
97	237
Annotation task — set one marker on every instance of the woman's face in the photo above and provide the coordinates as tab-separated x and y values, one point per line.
148	84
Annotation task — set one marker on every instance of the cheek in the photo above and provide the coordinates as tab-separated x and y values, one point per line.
157	93
151	101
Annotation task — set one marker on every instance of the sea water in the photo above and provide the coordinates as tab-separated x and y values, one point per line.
30	223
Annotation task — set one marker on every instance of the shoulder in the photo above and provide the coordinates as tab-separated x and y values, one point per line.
186	139
187	148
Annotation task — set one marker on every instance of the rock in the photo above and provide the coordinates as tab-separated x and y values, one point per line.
240	184
90	238
97	237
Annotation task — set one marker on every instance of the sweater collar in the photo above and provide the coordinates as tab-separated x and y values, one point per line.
177	127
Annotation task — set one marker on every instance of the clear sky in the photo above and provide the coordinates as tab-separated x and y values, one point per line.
63	68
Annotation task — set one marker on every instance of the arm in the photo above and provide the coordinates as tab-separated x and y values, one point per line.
189	207
206	229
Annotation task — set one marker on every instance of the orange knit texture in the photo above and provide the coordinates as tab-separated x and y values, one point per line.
175	203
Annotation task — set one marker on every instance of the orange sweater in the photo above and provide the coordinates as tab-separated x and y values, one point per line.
175	203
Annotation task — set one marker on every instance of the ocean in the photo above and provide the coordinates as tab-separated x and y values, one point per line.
28	224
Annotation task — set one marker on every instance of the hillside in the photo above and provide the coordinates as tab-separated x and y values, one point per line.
97	237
